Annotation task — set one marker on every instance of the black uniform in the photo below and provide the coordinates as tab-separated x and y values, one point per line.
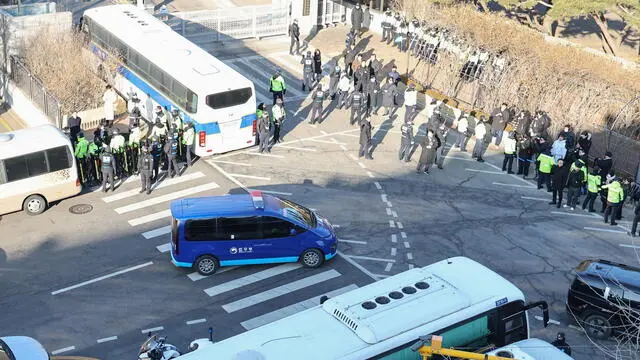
171	151
406	141
357	101
156	153
145	162
108	166
316	107
365	139
294	33
307	70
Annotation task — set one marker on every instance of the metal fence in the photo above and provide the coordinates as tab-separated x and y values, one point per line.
334	12
233	23
35	91
626	151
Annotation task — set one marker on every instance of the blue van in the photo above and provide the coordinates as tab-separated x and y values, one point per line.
214	231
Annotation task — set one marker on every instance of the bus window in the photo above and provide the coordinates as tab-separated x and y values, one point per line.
471	334
58	158
229	98
16	168
192	102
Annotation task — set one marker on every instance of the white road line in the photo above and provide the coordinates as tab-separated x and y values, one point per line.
630	246
383	197
394	251
292	309
353	241
336	226
157	232
571	214
280	291
344	148
395	214
327	142
63	350
389	211
230	178
411	266
394	238
362	165
403	234
194	276
360	267
251	177
388	267
380	276
156	186
410	256
515	185
272	192
353	157
152	330
107	339
459	158
120	272
250	279
512	175
399	224
377	184
407	245
605	230
486	171
229	162
265	155
149	218
392	224
575	327
389	204
551	321
324	132
350	135
369	258
198	321
164	248
534	198
370	174
167	197
295	148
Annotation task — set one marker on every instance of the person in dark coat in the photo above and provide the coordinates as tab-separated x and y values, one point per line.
365	139
525	154
605	164
356	19
561	344
569	137
522	122
539	125
317	65
366	19
584	142
499	120
559	175
389	92
430	144
574	183
375	68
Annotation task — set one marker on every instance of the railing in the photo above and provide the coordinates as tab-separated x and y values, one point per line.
35	91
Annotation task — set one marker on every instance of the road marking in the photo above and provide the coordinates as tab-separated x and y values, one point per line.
353	157
156	186
250	279
350	135
280	291
394	238
353	241
370	174
534	198
388	267
630	246
551	321
292	309
512	175
251	177
324	132
152	330
195	276
389	211
63	350
198	321
515	185
272	192
411	266
265	155
360	267
389	204
486	171
575	327
377	184
605	230
459	158
229	162
344	148
395	214
120	272
403	234
370	258
230	178
107	339
167	197
407	245
393	251
410	256
380	276
383	197
336	226
149	218
400	226
392	224
157	232
295	148
327	142
164	248
362	165
571	214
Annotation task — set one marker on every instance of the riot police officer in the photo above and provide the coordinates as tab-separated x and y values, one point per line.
171	152
145	162
117	149
317	106
108	166
357	101
406	141
156	153
307	70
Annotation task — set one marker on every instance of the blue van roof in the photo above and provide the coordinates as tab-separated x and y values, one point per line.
207	206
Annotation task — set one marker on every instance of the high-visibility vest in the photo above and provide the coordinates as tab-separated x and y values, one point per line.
593	183
277	84
546	162
509	146
615	193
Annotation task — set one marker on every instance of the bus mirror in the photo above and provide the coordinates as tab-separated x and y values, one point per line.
545	310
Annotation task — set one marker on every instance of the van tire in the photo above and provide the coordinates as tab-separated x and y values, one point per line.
597	326
34	205
312	258
206	265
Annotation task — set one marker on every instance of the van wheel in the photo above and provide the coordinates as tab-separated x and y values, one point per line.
597	326
312	258
34	205
206	265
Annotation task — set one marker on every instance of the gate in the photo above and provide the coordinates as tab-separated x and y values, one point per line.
334	12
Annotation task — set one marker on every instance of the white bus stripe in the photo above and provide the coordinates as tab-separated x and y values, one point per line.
250	279
167	197
149	218
157	185
280	291
157	232
292	309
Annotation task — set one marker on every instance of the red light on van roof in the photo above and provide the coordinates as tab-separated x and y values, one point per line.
256	197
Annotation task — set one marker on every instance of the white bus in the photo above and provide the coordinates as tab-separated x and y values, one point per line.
470	306
163	68
37	167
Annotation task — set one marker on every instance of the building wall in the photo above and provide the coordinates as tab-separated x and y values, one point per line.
20	103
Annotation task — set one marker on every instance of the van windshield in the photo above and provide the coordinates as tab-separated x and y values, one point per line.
298	212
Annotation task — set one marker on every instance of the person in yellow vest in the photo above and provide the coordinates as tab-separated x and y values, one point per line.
594	181
615	195
545	161
277	86
509	153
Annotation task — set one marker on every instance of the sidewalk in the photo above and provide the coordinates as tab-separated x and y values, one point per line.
10	121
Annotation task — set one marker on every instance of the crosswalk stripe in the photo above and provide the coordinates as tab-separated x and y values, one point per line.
167	197
280	291
157	185
149	218
157	232
164	247
250	279
292	309
251	177
195	276
288	80
258	85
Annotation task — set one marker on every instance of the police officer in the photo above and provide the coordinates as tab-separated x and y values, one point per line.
159	130
93	169
317	107
264	132
350	42
406	141
108	166
365	139
294	33
146	168
561	344
117	148
134	148
307	70
171	151
334	78
357	102
176	119
156	152
187	141
410	101
102	133
389	92
615	196
371	95
442	132
344	88
277	117
277	87
387	27
81	153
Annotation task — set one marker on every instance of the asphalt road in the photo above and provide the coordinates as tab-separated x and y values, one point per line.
390	219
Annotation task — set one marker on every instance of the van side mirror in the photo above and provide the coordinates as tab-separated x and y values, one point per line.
292	232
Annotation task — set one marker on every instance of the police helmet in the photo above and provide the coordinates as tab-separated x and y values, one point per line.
308	52
114	131
154	139
80	134
175	112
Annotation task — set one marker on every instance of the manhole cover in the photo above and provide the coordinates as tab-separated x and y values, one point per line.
80	209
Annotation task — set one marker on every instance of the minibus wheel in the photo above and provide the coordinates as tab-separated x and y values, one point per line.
206	265
312	258
34	205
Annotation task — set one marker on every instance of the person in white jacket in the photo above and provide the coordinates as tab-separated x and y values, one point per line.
345	87
410	101
559	148
509	152
109	98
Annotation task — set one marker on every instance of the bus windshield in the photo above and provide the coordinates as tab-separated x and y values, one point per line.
298	212
229	98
